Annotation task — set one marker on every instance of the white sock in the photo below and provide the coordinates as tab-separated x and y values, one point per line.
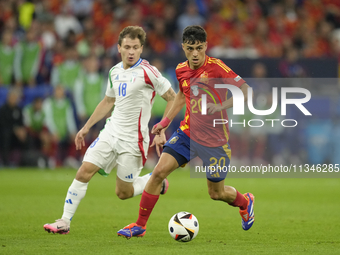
75	194
139	184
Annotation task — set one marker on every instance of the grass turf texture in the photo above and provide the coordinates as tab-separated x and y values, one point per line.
293	216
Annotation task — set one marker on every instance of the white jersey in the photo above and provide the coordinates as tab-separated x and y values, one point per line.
134	89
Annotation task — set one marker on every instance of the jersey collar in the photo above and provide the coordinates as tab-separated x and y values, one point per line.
137	63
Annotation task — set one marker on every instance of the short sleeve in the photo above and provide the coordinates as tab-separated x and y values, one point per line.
179	82
154	78
162	85
110	92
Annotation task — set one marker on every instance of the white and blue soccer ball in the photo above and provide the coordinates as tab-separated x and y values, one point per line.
183	226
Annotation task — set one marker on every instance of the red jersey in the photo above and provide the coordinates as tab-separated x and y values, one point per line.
194	83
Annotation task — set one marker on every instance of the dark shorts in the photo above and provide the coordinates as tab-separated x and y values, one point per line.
183	149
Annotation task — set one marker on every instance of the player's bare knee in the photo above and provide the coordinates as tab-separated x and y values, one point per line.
158	174
215	195
123	195
83	175
85	172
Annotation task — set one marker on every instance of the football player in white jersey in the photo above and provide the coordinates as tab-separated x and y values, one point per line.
124	141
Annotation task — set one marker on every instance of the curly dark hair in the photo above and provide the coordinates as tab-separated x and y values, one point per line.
193	34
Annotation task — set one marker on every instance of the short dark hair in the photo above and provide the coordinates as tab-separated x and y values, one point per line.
132	32
193	34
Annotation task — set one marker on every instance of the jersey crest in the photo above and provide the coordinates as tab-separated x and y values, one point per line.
195	90
204	77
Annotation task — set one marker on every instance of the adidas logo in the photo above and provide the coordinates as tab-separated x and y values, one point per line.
69	201
130	176
117	77
216	175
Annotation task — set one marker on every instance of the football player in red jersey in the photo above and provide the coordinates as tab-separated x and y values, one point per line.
196	136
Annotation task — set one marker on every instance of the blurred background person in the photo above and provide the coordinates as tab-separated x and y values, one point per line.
67	72
89	90
6	58
13	135
290	67
61	124
34	120
28	54
191	16
65	22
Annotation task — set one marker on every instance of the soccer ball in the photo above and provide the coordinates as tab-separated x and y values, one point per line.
183	226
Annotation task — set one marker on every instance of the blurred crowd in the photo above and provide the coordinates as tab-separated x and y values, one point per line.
38	35
55	56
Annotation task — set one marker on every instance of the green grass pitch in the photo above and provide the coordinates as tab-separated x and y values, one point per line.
293	216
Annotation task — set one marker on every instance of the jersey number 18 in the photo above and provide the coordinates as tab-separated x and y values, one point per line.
122	89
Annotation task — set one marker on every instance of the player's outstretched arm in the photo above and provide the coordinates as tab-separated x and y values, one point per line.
169	96
212	108
160	140
101	110
177	106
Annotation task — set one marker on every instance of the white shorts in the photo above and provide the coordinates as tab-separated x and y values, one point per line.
108	152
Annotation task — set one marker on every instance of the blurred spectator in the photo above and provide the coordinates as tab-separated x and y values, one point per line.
248	50
169	16
289	67
133	17
67	72
157	39
224	50
65	22
11	24
48	36
318	45
61	125
103	13
107	63
43	11
71	39
34	119
26	10
260	83
189	17
263	28
110	34
89	90
12	131
90	45
27	59
6	59
80	8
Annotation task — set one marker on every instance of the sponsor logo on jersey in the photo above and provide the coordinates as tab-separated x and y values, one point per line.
174	140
